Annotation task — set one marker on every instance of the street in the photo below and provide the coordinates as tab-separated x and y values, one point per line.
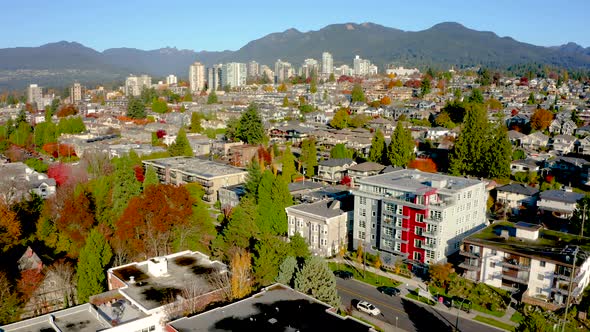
409	315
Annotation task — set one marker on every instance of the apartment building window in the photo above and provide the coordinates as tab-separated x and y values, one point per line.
398	222
400	209
469	194
361	235
389	207
435	214
363	212
374	213
417	243
373	225
418	230
417	256
542	263
388	231
430	254
539	290
323	242
372	236
419	217
291	221
362	224
492	264
299	223
388	243
540	276
362	200
398	246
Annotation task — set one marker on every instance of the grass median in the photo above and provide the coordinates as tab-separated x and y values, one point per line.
367	277
494	322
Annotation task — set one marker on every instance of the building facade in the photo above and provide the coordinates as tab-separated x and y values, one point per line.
35	95
283	70
135	84
361	66
327	63
253	69
171	80
419	216
233	74
196	77
76	93
214	77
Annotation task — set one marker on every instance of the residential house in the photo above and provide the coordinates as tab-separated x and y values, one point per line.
525	165
558	203
515	196
564	127
515	137
359	171
535	140
19	180
333	170
569	170
436	133
563	144
583	131
516	257
583	145
323	225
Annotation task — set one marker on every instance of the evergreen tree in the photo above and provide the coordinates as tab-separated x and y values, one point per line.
401	148
313	85
286	101
468	155
151	178
253	179
250	129
196	123
339	151
425	86
136	108
159	106
476	97
212	98
268	255
282	199
317	280
499	154
332	78
266	204
287	270
125	186
238	231
378	152
309	156
288	170
181	146
94	257
299	247
357	93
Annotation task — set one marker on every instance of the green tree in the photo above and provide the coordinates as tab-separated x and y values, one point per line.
136	108
288	170
125	186
456	111
444	120
231	129
531	99
309	156
181	146
188	97
238	231
425	87
378	152
253	179
250	129
212	98
401	148
357	93
340	119
268	255
94	257
339	151
150	178
499	155
299	247
468	154
286	101
534	322
475	97
332	78
159	106
196	122
317	280
313	85
287	271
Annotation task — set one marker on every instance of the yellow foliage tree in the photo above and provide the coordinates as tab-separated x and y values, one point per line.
240	277
282	88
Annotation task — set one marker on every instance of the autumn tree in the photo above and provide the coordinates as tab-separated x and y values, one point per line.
440	274
76	218
423	164
10	303
64	274
10	227
317	280
240	274
94	257
341	119
541	119
378	151
401	148
309	156
147	224
385	100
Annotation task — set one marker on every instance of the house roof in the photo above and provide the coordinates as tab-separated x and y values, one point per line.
336	162
561	196
513	134
328	208
367	167
518	188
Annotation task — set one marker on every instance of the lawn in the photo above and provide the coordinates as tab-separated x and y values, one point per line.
414	296
494	322
369	277
517	317
487	311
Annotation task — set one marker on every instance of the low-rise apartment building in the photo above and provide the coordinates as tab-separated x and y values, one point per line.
525	257
210	174
420	216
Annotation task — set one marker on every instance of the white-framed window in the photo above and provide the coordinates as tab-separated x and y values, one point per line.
417	243
419	217
362	223
363	212
430	254
387	243
362	235
418	230
323	242
398	246
400	209
542	263
389	207
372	236
373	225
540	276
417	256
374	213
388	231
362	200
398	222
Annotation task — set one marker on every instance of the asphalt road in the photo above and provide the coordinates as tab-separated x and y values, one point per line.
409	315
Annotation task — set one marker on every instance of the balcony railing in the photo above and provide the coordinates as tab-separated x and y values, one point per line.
431	233
469	254
469	266
434	221
515	266
520	280
429	245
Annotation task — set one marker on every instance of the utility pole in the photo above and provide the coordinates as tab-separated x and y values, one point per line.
569	290
583	220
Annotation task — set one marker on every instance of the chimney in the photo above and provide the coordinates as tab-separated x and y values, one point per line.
132	280
504	234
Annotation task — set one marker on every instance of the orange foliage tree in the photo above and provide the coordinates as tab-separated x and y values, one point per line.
385	100
59	150
541	119
241	284
423	164
10	227
148	223
67	110
75	220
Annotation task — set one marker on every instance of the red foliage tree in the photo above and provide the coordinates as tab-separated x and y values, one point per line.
345	78
161	133
514	112
139	173
423	164
346	180
264	157
147	224
76	218
29	282
67	110
415	84
524	81
59	150
61	172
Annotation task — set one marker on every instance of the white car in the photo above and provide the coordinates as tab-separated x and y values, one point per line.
367	307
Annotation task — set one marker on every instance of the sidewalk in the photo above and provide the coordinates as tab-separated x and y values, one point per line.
411	284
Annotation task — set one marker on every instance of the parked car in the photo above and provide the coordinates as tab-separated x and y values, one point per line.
391	291
368	308
343	274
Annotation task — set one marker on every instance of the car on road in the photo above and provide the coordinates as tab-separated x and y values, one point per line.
391	291
368	308
343	274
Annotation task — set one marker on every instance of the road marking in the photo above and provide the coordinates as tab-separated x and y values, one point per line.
372	300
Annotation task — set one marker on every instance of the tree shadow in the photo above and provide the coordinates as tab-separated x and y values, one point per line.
424	319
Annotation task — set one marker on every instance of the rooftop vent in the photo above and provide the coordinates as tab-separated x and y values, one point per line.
505	234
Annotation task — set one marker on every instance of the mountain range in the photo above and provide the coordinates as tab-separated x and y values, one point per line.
443	45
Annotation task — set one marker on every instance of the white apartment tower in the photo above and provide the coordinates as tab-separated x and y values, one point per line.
327	63
361	66
420	216
135	84
283	71
253	69
35	95
214	77
309	66
76	93
233	74
196	77
171	80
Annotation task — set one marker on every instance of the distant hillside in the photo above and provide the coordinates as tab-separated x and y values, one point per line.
444	44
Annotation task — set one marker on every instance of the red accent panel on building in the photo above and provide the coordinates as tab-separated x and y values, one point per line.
410	235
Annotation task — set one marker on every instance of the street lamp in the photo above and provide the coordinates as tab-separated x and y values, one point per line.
396	322
459	310
569	290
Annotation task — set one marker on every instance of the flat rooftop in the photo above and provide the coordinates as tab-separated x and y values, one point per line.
278	308
196	166
80	318
551	245
186	269
412	180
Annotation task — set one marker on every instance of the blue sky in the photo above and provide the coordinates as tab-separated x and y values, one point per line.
219	25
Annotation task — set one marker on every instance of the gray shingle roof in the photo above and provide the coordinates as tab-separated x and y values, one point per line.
336	162
561	196
518	188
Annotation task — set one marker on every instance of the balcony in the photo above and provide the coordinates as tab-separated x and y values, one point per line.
469	266
520	280
431	233
427	245
514	265
469	254
432	221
